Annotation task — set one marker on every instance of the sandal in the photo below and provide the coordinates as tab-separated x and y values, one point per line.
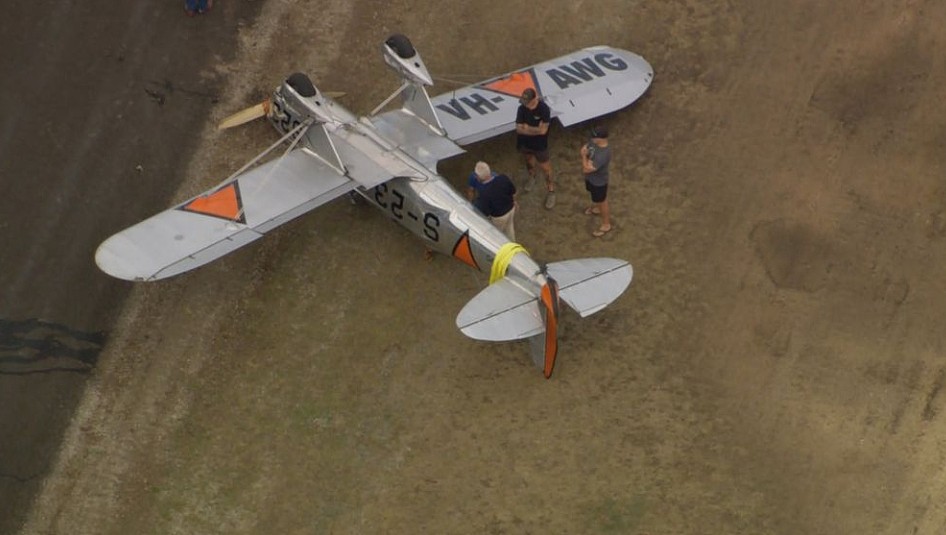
601	231
591	210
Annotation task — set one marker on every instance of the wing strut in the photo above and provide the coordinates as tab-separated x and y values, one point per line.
299	133
297	130
384	103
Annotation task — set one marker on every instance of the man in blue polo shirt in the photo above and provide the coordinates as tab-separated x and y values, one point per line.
496	199
473	183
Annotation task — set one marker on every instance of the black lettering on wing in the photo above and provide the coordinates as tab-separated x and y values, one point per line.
479	103
610	61
583	68
562	79
455	109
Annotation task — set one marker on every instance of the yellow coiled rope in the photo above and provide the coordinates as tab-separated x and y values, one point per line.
502	260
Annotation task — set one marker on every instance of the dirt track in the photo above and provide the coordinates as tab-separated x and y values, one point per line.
775	367
100	107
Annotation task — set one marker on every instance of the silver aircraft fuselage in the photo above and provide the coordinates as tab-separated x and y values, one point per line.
424	203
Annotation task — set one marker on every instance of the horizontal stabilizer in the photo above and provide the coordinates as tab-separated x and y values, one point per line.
590	284
502	311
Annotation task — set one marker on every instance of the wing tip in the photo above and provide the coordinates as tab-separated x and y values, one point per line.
112	263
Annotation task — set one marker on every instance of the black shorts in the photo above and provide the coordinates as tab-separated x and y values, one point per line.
541	156
598	193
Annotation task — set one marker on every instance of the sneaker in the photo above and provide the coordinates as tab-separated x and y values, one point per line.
529	183
550	200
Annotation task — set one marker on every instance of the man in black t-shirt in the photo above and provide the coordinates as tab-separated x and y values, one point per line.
532	139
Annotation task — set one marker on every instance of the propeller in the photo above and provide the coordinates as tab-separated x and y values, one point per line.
244	116
259	110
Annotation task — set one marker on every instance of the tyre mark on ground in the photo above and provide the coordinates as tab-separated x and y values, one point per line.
929	411
34	345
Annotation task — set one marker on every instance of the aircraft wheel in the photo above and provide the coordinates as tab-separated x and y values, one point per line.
402	45
302	84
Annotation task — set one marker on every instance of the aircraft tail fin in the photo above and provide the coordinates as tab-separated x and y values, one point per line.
508	310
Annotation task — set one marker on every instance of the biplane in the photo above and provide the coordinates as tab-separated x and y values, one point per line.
390	159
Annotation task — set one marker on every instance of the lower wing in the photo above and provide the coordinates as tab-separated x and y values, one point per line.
221	220
577	87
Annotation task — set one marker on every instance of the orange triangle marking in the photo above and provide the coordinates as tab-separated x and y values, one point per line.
463	252
224	203
514	84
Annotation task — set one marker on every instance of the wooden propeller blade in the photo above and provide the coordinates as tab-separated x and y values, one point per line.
245	116
260	110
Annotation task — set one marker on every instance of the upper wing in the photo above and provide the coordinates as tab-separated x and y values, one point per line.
577	87
223	219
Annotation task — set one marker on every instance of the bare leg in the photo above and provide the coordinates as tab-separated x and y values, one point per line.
605	215
549	184
530	169
547	169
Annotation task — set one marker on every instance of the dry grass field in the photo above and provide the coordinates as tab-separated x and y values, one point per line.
776	366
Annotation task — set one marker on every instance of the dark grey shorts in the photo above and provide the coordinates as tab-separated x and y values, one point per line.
598	193
541	156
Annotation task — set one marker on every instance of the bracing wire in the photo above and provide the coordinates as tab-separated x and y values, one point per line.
299	132
269	149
